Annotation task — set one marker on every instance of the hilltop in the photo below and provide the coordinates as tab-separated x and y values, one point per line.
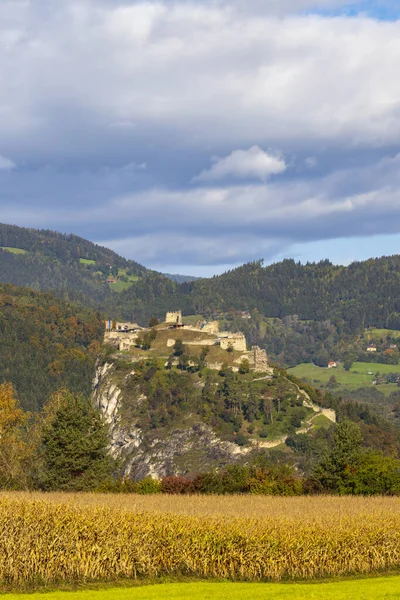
182	398
70	267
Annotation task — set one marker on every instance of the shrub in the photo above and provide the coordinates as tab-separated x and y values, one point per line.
148	486
241	439
176	485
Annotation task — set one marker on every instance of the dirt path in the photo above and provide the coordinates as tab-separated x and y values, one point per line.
308	403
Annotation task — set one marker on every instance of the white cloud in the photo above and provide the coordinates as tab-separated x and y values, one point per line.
244	164
6	164
87	85
206	74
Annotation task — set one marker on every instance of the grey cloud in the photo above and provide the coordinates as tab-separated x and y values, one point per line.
237	223
109	109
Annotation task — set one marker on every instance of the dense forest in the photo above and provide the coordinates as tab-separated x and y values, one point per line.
352	298
46	344
299	313
66	265
362	295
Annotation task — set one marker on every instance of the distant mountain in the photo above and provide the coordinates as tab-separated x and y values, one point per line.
69	266
362	295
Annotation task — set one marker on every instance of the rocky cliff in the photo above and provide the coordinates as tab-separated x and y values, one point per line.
191	447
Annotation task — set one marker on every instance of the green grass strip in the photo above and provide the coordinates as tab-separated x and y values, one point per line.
385	588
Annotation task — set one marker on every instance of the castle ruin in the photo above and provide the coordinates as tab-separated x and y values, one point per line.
174	318
125	335
236	341
260	360
210	326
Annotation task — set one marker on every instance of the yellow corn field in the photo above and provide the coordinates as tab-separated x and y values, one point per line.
62	538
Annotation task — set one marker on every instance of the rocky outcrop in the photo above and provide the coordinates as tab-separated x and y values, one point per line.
107	397
193	447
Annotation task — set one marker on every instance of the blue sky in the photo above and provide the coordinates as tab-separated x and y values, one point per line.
193	136
376	9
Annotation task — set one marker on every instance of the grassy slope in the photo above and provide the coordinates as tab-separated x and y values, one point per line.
387	588
377	334
354	379
14	250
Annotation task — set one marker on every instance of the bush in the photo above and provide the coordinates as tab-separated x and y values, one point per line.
275	481
148	486
177	485
241	439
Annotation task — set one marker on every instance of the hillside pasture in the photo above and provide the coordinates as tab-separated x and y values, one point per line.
120	286
381	334
14	250
361	375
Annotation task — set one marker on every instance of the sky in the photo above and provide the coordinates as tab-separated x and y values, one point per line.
193	136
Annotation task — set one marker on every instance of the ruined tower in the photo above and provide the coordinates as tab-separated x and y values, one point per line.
260	360
174	318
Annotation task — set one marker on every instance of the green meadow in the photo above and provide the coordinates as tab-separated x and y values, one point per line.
14	250
87	261
387	588
360	375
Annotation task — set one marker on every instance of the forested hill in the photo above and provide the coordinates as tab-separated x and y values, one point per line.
67	265
46	344
361	295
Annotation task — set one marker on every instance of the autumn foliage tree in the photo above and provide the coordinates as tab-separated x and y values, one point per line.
14	450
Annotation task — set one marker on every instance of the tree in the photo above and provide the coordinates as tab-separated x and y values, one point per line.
154	322
183	362
179	348
14	451
335	472
244	367
146	341
74	442
332	383
203	358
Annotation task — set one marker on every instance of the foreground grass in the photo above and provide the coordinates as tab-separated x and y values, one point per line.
87	538
367	589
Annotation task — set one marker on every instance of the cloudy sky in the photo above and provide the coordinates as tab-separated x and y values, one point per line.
195	135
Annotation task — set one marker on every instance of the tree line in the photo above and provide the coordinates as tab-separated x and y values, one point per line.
64	447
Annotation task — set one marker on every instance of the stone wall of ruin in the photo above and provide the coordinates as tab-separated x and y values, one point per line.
174	317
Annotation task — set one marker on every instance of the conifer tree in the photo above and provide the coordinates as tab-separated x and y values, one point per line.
74	445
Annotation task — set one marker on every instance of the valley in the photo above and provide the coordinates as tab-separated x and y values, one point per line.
184	406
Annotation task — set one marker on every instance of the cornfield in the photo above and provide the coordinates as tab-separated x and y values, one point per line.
91	538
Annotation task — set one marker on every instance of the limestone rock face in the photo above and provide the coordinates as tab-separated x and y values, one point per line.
107	397
189	448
